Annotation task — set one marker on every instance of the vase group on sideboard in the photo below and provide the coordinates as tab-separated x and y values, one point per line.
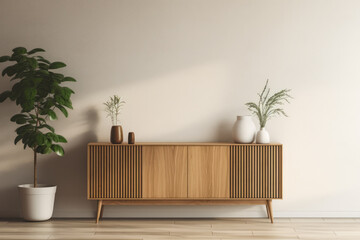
244	131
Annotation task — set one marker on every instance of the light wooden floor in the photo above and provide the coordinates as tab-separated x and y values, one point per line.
282	229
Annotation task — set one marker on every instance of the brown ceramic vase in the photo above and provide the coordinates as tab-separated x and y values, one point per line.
116	136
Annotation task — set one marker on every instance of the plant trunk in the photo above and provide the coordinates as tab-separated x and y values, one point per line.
35	166
35	153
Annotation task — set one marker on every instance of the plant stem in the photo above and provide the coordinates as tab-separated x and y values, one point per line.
35	153
35	173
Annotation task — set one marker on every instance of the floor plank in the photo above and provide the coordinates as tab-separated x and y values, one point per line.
175	229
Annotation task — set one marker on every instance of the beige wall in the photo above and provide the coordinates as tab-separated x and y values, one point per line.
186	68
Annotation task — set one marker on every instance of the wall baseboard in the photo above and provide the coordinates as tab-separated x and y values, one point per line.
243	214
318	214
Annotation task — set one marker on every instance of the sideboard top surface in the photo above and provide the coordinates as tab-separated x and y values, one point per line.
186	144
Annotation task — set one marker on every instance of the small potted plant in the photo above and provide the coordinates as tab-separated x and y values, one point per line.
268	107
38	91
113	108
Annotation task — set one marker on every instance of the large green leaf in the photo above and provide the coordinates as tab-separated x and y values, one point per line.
40	138
4	96
19	117
69	79
67	91
25	128
56	65
27	106
57	149
43	66
30	94
21	121
17	139
52	115
52	137
48	127
48	103
58	76
63	110
34	137
35	50
41	59
4	58
17	90
43	72
10	71
68	104
61	139
43	149
19	50
59	99
33	63
36	81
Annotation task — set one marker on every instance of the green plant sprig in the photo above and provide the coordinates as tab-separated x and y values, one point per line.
113	108
268	107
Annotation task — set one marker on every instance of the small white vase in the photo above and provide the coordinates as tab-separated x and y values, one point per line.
244	130
37	203
262	136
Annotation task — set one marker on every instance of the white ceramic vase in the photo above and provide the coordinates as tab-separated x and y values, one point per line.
262	136
37	203
244	130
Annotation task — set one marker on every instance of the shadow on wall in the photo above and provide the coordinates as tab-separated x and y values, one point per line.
224	131
12	161
67	172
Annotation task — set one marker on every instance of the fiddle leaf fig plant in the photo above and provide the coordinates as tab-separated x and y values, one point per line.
39	92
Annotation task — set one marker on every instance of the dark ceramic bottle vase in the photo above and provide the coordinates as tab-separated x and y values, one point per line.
116	136
131	138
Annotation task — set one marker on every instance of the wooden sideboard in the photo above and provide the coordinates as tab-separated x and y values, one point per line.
184	174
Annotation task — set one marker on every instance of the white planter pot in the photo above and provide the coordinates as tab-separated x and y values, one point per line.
244	130
37	203
262	136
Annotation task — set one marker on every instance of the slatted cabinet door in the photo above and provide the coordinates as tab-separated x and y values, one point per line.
114	172
256	171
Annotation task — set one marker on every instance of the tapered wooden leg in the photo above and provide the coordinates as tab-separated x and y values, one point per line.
99	210
102	211
269	210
